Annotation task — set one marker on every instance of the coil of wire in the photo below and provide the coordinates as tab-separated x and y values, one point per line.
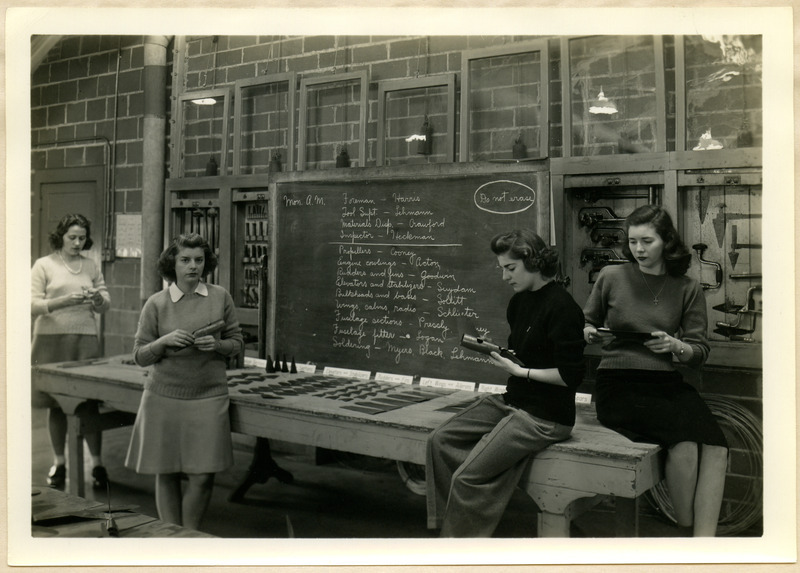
743	429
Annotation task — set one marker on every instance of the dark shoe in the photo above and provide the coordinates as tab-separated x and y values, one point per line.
57	476
99	477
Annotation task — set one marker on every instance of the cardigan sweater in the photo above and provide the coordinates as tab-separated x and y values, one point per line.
187	373
546	332
622	299
50	279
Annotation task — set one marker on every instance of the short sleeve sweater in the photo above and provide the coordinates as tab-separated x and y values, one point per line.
621	300
546	332
187	373
50	279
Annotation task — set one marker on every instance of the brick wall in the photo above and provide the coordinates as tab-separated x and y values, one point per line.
75	95
332	105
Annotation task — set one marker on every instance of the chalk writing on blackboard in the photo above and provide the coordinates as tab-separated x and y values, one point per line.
504	197
396	271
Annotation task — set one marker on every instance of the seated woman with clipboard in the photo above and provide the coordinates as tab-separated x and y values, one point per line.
654	314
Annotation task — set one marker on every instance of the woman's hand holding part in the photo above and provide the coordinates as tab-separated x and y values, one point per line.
507	365
592	336
662	343
206	343
178	338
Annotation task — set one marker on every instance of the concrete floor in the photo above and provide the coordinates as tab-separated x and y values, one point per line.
348	497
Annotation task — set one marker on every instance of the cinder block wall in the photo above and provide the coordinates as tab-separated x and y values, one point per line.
78	103
333	112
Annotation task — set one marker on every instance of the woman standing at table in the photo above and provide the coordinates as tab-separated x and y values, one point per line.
67	291
639	392
476	458
183	426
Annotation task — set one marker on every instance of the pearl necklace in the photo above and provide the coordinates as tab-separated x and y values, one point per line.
80	265
655	295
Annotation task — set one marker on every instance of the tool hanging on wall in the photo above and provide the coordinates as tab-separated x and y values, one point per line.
599	258
700	248
733	255
591	216
703	197
721	219
607	236
197	227
736	330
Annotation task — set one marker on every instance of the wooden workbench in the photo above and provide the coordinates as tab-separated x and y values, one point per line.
393	422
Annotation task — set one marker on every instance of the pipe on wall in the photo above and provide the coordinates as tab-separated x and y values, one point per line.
153	156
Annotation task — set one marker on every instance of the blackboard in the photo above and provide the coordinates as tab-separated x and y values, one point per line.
386	275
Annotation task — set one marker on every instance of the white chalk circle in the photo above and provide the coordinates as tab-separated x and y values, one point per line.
504	197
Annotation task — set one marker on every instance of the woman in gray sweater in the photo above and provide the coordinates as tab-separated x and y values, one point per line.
183	426
639	392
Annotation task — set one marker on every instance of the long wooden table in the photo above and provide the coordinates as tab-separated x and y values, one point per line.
393	422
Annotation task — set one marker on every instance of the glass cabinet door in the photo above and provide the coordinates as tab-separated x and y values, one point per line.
504	103
204	128
722	82
614	95
264	120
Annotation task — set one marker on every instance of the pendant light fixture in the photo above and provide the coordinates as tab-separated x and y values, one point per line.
342	156
209	100
424	138
707	143
275	165
602	105
425	142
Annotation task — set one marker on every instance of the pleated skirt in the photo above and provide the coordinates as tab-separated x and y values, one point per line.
173	436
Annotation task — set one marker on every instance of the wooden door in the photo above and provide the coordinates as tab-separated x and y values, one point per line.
57	192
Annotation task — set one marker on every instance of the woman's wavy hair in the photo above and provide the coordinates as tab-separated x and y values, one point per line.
56	237
677	257
166	261
530	248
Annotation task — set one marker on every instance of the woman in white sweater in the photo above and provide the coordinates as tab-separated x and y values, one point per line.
67	290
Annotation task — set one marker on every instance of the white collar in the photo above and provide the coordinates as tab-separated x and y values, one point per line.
176	293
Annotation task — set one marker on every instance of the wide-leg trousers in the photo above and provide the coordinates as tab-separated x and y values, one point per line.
476	459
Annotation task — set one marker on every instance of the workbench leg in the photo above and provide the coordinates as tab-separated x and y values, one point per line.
626	517
553	525
75	458
261	469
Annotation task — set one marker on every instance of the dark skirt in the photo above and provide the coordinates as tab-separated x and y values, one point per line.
655	407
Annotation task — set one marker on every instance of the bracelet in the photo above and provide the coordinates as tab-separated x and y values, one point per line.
680	352
528	374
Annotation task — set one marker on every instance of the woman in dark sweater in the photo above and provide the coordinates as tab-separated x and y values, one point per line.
639	392
475	459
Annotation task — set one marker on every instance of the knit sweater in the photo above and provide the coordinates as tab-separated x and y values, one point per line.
546	332
187	373
622	300
50	279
